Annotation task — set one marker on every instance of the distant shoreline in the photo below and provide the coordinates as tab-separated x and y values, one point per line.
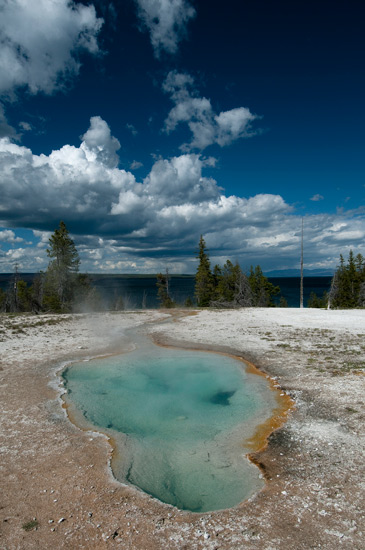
140	291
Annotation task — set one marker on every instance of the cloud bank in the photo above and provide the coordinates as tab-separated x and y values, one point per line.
120	223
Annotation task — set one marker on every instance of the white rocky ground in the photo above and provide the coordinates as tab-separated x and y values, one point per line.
54	472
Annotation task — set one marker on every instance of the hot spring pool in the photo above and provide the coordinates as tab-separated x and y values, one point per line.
179	420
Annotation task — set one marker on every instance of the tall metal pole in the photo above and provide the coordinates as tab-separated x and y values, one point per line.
301	270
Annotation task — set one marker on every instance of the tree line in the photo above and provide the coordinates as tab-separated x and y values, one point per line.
229	286
61	288
226	286
347	286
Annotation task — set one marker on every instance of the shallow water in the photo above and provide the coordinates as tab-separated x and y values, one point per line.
179	420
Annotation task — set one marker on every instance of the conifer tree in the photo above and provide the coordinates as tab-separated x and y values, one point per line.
283	302
24	296
262	290
347	286
61	276
227	281
204	281
317	301
232	287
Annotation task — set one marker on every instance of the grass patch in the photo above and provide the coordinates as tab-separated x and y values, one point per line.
350	365
30	525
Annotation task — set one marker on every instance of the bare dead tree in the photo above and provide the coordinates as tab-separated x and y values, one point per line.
144	300
243	296
333	291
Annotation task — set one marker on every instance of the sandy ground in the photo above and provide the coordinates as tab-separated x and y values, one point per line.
314	465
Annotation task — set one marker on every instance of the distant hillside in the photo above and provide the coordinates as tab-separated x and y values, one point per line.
296	273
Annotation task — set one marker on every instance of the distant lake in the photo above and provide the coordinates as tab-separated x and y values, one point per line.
139	291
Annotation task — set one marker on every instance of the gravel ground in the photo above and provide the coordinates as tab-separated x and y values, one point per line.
60	475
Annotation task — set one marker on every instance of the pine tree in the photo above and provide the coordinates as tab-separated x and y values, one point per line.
262	290
61	276
232	288
227	280
24	296
283	302
347	286
204	281
316	301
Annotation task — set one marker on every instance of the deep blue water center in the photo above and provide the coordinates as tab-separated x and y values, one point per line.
179	420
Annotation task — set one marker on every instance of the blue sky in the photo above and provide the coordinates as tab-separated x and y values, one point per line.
145	123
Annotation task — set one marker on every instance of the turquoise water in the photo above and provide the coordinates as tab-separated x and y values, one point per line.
179	419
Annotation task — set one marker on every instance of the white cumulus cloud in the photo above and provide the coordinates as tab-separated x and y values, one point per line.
206	126
179	180
72	182
166	22
99	145
39	41
8	236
